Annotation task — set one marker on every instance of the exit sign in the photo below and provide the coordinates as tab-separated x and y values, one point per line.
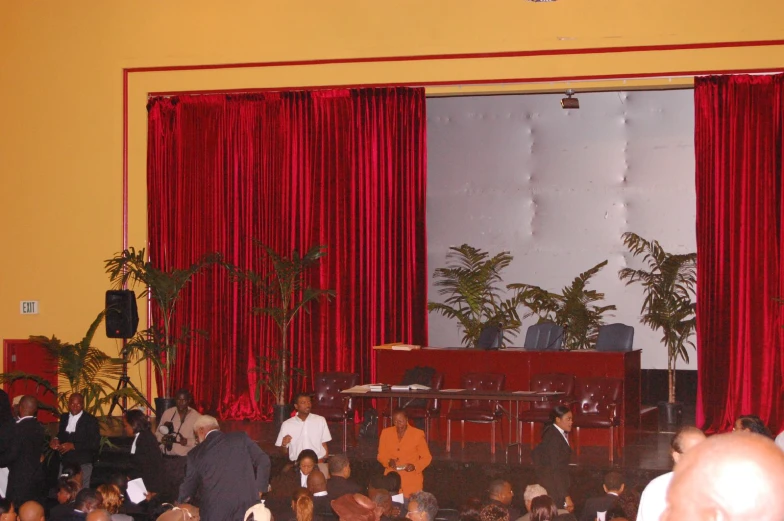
29	307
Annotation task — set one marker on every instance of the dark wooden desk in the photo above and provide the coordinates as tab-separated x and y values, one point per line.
519	365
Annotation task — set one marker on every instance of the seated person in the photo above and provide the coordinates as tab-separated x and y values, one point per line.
66	495
501	494
339	482
492	512
471	509
532	492
317	486
613	488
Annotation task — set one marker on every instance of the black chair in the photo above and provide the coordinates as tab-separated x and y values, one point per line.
615	338
476	411
544	337
490	337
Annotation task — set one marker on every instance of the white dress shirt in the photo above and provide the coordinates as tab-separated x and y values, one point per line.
307	434
653	501
71	427
563	433
133	445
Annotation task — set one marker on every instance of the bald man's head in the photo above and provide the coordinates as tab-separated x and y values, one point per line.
317	482
736	476
31	511
99	515
28	406
685	439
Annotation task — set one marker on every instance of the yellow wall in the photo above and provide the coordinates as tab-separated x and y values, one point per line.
61	74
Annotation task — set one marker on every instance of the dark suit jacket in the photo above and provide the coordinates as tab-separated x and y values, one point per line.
339	486
597	504
61	512
22	456
86	439
147	463
229	471
322	505
551	462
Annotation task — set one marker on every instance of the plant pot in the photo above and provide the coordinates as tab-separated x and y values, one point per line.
161	404
670	414
281	413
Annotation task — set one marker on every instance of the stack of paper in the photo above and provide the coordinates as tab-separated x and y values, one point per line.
397	346
411	387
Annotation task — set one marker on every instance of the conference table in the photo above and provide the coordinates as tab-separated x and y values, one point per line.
510	397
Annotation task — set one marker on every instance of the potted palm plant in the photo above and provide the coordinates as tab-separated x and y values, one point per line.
668	286
574	308
469	283
159	342
283	293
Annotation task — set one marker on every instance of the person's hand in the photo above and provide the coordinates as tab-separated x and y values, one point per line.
410	468
392	464
54	444
150	495
286	440
66	447
569	504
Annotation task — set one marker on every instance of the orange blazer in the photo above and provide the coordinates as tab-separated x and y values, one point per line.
411	449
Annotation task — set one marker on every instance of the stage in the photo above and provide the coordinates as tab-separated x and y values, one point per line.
455	476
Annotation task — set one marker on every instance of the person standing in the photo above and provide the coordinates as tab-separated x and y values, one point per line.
78	438
403	448
229	471
305	430
551	457
22	455
181	440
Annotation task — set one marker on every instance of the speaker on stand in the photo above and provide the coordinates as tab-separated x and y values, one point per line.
122	320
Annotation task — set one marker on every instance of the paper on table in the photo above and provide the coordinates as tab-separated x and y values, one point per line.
451	390
137	492
357	389
524	392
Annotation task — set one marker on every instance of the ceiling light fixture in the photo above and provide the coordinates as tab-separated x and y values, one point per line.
569	102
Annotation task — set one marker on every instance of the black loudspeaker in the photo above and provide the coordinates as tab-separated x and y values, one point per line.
122	316
490	337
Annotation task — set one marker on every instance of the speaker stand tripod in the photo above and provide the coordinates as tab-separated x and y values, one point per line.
123	383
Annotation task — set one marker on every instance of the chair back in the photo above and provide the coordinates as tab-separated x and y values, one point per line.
615	337
543	337
327	387
596	395
551	383
482	382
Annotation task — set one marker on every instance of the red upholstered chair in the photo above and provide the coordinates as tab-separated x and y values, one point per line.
597	405
476	411
539	412
329	403
431	409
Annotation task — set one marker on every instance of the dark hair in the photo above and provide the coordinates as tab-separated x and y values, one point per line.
613	480
87	497
559	411
471	509
298	396
307	454
394	482
379	481
137	420
615	512
5	505
543	509
186	392
68	485
337	462
755	424
497	486
493	512
70	470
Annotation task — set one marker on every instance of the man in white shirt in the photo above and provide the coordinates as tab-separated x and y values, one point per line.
304	431
653	501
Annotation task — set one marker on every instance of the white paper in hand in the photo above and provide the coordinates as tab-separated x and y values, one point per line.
137	492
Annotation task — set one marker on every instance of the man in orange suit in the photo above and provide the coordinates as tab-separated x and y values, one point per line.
403	448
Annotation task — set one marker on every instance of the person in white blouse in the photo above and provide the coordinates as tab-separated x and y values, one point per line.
305	430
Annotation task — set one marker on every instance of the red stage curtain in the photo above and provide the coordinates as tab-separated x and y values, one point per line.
344	168
738	147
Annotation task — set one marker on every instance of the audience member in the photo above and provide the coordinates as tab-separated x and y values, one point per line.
543	508
302	505
731	477
403	448
339	482
99	514
355	507
551	457
492	512
470	510
31	511
422	506
613	488
534	491
146	457
66	495
258	512
617	513
383	502
7	512
654	498
78	438
22	455
394	486
87	500
752	423
185	512
317	485
72	472
501	494
305	430
229	471
112	501
182	417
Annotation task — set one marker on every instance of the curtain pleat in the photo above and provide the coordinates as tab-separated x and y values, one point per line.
343	168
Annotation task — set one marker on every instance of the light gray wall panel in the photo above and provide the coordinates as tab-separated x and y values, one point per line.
557	188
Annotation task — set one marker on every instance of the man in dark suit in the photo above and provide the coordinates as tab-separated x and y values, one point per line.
22	455
339	482
317	485
501	494
613	488
229	471
78	438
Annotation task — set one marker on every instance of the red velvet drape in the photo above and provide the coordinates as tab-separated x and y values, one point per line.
738	147
344	168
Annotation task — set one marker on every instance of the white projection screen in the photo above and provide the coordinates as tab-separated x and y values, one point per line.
557	188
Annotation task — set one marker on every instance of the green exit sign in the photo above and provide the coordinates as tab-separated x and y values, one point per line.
29	307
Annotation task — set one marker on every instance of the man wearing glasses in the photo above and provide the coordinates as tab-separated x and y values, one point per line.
422	506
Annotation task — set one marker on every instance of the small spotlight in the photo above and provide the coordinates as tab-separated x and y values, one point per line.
569	102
